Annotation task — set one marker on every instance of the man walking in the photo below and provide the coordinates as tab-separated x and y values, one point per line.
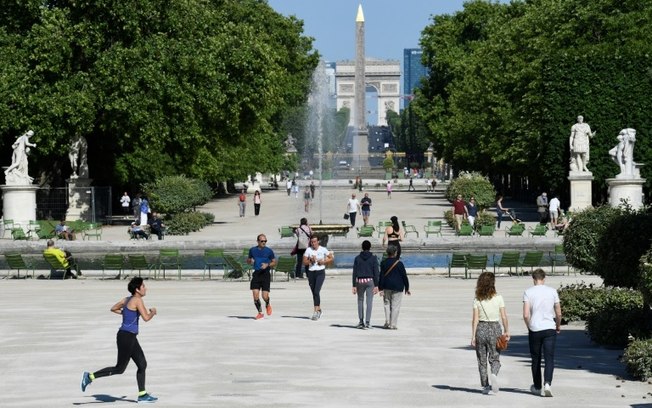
553	210
365	282
352	207
542	315
459	211
263	260
242	202
365	205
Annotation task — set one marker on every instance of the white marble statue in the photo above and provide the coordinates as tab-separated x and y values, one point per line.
579	145
78	158
17	172
623	154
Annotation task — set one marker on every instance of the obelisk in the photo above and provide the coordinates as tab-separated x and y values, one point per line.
361	144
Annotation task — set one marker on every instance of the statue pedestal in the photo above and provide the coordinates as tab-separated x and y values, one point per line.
630	189
19	203
580	190
79	199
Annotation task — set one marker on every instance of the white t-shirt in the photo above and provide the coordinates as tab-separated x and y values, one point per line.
320	253
353	205
489	310
553	206
542	300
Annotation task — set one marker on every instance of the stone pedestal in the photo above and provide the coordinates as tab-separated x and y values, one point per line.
580	190
19	204
79	199
630	190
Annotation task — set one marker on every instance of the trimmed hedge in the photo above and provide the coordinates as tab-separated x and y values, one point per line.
472	184
177	194
187	222
638	358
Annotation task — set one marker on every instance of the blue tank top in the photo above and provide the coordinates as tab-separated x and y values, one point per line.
129	319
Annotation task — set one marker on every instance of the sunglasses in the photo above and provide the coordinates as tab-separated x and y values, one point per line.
262	241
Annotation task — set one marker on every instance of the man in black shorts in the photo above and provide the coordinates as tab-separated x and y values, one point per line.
263	260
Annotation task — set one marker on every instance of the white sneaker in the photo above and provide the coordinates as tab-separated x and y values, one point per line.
534	390
494	383
547	392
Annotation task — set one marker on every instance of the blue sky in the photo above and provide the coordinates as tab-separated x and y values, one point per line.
390	25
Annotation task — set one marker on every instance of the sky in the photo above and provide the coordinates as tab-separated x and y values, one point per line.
390	25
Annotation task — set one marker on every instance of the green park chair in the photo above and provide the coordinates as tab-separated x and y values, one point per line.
409	229
558	258
286	232
232	268
92	230
508	259
138	262
7	225
382	225
19	235
56	266
486	231
465	231
516	230
213	258
539	230
16	262
457	260
532	259
114	262
168	259
367	231
284	264
475	262
433	227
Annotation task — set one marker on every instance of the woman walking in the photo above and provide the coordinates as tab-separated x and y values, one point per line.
303	233
392	284
488	312
393	236
316	258
131	308
257	203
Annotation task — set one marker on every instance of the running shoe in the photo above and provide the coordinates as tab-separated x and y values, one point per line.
534	390
269	310
367	325
314	316
360	325
547	392
495	387
318	314
259	316
85	380
147	398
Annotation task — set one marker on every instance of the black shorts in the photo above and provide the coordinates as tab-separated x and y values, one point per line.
261	280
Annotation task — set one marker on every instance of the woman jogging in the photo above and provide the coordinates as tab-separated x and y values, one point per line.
131	308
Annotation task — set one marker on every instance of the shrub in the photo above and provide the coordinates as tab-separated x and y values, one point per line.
579	300
620	248
583	235
177	194
185	223
484	218
645	286
472	184
619	315
638	358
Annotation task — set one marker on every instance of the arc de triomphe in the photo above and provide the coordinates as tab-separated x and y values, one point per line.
383	75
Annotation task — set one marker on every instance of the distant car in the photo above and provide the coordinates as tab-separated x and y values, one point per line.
343	164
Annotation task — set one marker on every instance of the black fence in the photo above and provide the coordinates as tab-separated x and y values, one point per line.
53	203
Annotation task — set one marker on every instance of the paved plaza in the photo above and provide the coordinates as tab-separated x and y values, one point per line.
204	349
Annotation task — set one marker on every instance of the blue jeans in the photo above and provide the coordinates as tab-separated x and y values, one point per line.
542	340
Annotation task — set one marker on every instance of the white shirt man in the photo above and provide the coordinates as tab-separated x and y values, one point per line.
353	207
553	207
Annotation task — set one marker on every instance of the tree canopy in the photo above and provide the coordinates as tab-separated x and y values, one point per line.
157	87
508	80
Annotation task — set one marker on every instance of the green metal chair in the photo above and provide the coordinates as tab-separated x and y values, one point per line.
465	231
457	260
531	260
168	259
509	259
367	231
284	264
286	232
213	258
477	262
16	262
558	258
515	230
18	234
58	266
139	262
409	229
115	262
92	230
382	225
7	225
433	227
539	230
232	268
486	231
46	230
247	268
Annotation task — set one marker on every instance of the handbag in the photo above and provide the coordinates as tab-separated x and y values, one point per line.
346	216
502	342
295	249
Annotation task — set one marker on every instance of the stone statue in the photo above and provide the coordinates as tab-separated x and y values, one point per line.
78	159
579	145
289	144
623	154
16	173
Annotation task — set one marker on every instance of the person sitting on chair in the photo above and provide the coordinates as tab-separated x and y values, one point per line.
63	231
136	231
156	226
64	257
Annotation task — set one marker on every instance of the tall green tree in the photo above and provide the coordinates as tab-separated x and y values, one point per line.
157	87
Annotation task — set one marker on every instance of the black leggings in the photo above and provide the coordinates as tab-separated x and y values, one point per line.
397	244
128	348
316	280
